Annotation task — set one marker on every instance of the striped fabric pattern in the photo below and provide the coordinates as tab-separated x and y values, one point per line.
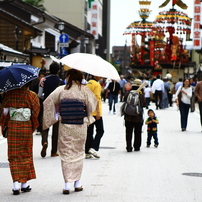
72	111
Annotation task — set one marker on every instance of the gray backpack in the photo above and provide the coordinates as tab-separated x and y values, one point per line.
132	106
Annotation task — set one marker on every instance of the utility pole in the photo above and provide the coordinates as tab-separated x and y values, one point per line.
108	30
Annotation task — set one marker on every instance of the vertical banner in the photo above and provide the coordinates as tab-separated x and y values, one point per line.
151	48
94	19
197	22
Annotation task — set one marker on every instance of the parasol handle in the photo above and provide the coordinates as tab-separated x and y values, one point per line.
141	87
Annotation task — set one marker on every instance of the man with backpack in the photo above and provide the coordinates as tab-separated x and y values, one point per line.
133	115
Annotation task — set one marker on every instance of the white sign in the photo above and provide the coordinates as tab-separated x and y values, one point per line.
5	64
64	44
197	23
94	19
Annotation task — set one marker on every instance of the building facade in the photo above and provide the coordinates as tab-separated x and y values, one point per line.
92	16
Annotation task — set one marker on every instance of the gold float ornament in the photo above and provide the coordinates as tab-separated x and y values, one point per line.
145	3
177	2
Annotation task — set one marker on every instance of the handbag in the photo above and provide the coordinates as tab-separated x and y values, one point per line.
5	132
179	97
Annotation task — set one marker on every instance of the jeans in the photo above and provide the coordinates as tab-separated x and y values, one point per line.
184	111
44	135
149	137
112	99
137	128
94	142
192	103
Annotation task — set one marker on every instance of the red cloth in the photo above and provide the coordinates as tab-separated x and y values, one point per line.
20	138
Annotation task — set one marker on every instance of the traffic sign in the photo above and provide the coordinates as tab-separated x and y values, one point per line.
64	38
118	62
63	51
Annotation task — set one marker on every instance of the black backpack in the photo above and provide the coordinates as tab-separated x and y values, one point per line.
132	106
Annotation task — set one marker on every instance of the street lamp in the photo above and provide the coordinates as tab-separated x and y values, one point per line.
96	46
61	26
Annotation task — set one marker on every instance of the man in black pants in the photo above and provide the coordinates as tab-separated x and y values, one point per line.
158	90
46	86
134	124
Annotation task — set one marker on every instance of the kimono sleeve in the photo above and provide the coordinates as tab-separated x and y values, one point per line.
50	109
91	104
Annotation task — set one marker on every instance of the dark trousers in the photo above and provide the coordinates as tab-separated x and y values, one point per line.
121	95
170	99
158	98
44	136
200	110
149	137
192	103
94	142
147	102
113	99
184	111
137	128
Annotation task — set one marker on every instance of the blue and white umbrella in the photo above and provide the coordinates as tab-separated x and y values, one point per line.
16	76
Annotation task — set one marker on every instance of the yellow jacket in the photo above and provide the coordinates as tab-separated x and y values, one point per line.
96	89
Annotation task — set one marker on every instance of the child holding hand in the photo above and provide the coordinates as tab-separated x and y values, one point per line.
152	122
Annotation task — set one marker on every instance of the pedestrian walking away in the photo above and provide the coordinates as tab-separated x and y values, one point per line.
73	104
178	84
114	90
182	98
134	123
122	83
20	113
35	87
93	141
151	123
47	85
171	91
164	103
158	90
147	94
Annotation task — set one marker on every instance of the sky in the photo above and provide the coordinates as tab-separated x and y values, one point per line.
124	12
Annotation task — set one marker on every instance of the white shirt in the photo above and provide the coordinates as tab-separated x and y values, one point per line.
158	85
147	92
185	98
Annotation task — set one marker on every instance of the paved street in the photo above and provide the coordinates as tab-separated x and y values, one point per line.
170	173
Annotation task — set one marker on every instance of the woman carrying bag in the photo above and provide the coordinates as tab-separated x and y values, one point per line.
183	96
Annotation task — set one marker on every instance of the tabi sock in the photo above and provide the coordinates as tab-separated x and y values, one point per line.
16	185
24	185
77	184
67	186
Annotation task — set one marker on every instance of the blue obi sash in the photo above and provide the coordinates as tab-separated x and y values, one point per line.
72	111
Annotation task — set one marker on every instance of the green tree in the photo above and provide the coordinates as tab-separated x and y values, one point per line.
36	3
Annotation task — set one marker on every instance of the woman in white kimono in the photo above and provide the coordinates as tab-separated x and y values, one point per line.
72	129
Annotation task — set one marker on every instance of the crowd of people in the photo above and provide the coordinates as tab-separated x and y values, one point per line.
73	108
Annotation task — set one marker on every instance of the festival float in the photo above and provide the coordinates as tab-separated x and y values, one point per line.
162	47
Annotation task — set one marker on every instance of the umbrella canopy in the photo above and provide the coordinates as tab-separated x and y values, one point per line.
16	76
91	64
